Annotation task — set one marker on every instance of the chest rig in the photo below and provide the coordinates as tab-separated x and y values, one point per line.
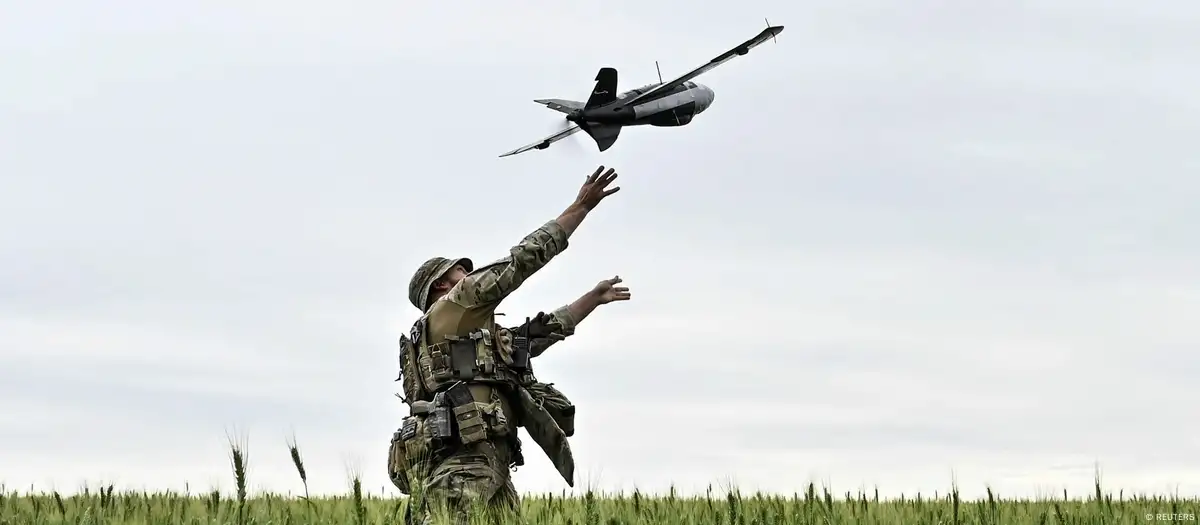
467	389
490	355
461	389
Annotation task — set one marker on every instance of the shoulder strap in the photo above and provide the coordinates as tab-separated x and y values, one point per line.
417	332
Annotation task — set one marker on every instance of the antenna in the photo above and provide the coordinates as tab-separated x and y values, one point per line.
659	72
768	27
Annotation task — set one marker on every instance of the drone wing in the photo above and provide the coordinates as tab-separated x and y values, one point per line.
546	142
738	50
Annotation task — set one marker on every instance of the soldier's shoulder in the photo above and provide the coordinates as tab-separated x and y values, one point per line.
467	292
498	262
461	295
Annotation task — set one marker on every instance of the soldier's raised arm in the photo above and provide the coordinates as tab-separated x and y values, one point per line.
488	285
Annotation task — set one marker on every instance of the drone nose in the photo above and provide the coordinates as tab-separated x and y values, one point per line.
705	97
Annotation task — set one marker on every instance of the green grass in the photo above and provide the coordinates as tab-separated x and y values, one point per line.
104	506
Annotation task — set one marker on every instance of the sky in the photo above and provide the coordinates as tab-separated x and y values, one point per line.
910	243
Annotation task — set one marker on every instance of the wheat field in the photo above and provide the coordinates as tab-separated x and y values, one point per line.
103	506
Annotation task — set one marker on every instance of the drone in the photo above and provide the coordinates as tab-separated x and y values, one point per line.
665	104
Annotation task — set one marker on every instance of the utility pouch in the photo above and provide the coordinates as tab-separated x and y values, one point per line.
496	419
414	388
462	358
408	429
398	464
412	452
556	404
439	420
485	358
520	349
435	366
419	443
468	417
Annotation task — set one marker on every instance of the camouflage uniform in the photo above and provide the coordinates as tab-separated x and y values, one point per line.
469	384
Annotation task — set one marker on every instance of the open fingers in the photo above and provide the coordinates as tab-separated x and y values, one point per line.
608	177
592	178
602	177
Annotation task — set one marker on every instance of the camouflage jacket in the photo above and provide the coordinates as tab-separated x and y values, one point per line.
458	340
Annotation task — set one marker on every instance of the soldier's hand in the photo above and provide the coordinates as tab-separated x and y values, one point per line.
595	188
607	291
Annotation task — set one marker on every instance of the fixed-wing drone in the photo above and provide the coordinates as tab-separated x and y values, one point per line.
665	104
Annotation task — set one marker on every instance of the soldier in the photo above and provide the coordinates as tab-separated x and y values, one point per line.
469	383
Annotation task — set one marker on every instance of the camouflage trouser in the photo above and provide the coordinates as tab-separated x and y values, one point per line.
472	480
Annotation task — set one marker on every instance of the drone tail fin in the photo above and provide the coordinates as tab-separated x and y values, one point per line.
604	134
605	90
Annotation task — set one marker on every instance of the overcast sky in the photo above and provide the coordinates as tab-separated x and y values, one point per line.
910	241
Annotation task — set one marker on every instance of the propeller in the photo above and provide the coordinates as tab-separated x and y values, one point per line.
570	142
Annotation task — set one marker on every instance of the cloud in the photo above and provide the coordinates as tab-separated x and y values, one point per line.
903	244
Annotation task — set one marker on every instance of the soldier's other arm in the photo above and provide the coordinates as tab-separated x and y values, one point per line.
545	330
560	324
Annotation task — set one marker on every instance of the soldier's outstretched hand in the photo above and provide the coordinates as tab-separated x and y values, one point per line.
595	188
607	291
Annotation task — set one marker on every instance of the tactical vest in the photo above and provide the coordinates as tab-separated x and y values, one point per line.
463	390
486	355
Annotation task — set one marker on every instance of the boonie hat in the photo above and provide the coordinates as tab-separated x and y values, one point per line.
427	273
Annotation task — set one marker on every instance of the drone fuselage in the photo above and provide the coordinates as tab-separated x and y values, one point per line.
674	108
